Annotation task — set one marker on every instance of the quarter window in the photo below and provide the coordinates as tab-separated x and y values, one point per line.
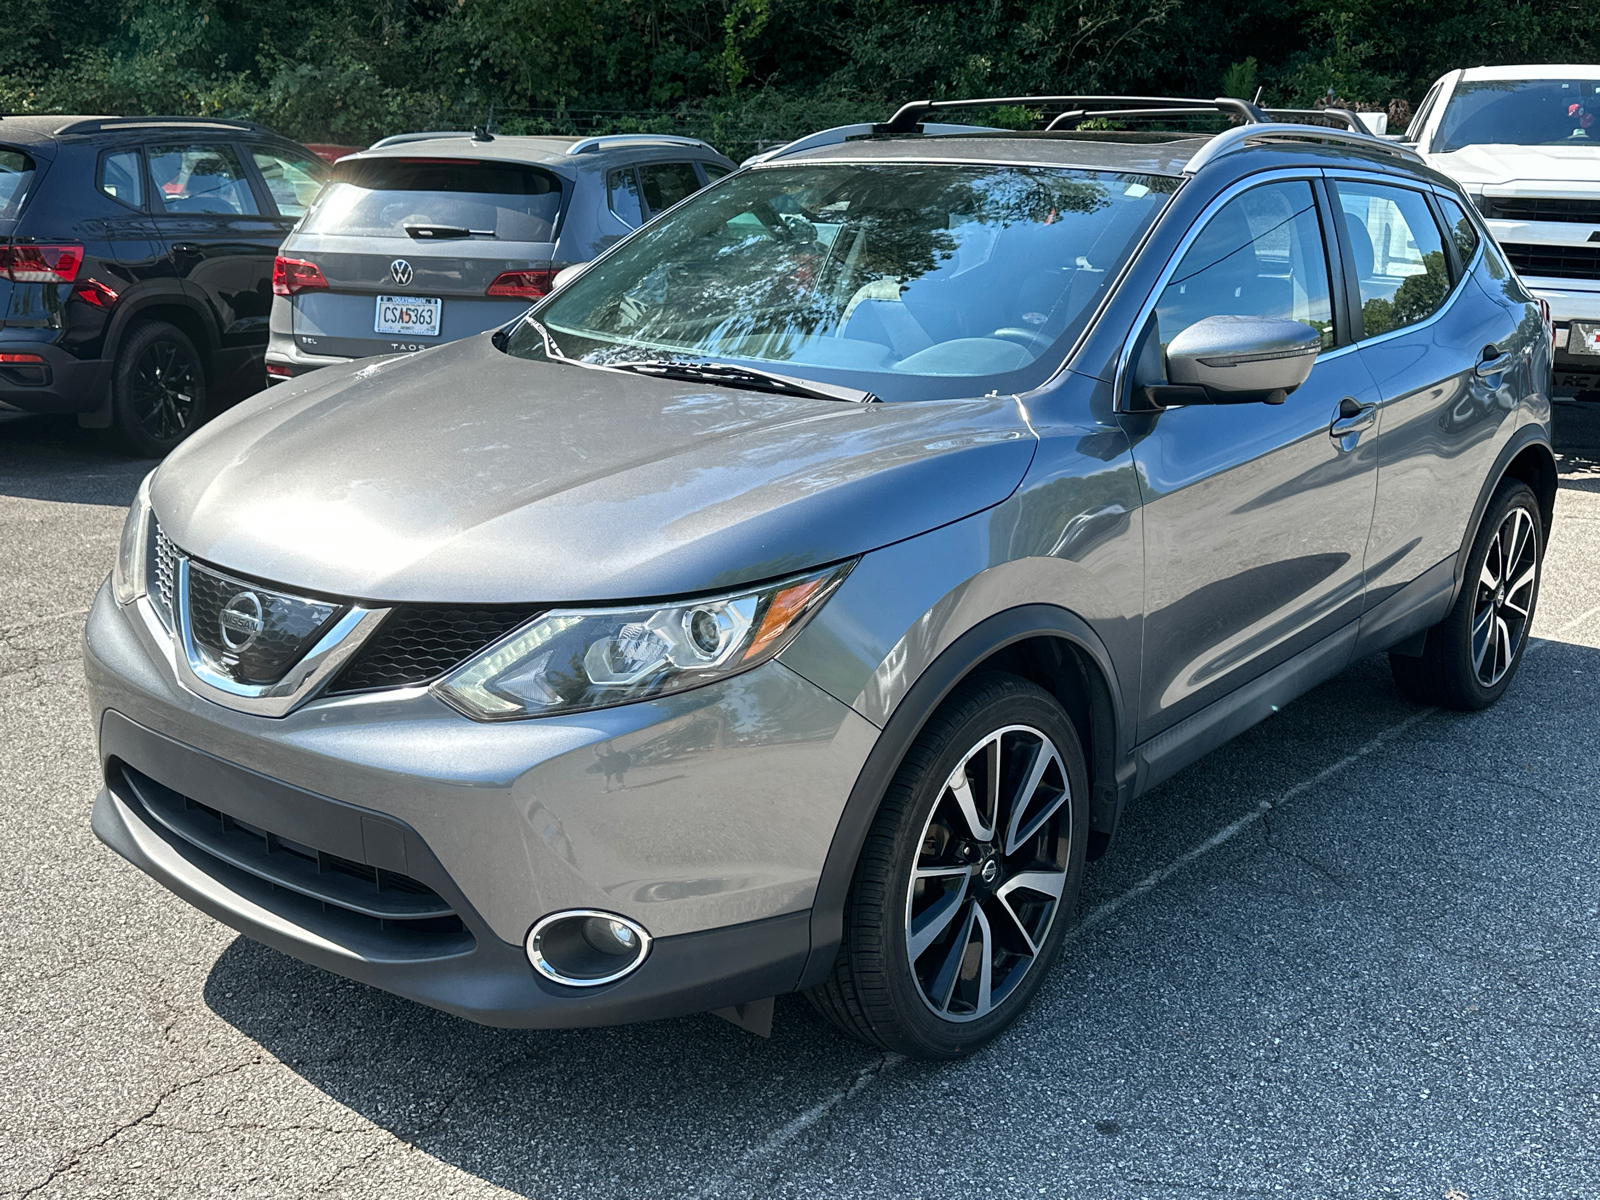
1261	255
1462	231
201	179
714	171
664	184
1398	252
622	197
293	179
122	177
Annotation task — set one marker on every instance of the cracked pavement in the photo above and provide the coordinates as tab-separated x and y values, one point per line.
1354	953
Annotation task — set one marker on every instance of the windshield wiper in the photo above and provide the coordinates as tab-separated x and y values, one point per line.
747	377
429	233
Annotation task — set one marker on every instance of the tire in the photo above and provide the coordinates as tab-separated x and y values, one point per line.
1470	657
928	1000
158	390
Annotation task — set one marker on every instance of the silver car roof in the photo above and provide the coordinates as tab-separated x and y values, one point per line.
560	153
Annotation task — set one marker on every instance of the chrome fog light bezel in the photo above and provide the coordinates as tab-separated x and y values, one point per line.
533	946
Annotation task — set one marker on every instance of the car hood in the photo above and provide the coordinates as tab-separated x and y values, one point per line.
464	475
1475	166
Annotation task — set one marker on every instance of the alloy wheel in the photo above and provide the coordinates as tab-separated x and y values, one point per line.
990	872
164	390
1504	601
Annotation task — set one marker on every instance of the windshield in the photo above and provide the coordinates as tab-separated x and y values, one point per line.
1520	112
384	197
16	170
910	281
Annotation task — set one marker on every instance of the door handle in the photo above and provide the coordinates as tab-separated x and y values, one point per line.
1492	362
1352	420
185	248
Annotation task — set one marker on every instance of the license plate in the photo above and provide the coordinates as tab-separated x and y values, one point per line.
413	316
1583	338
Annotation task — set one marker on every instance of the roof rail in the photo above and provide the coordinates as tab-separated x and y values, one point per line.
400	138
1350	117
591	145
843	133
96	124
910	115
1242	136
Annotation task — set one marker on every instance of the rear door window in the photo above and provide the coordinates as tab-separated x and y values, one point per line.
714	171
122	177
191	177
16	173
622	197
1398	253
433	198
664	184
292	179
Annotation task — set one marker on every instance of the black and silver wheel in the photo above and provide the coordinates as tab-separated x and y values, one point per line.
1469	658
967	882
158	389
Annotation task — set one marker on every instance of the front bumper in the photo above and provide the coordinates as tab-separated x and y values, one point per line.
62	384
705	817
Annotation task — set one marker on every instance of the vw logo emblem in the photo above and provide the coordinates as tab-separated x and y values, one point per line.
240	621
400	271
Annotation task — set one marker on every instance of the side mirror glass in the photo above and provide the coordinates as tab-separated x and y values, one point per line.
1230	360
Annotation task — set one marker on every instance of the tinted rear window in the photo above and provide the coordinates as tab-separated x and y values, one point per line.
383	197
16	173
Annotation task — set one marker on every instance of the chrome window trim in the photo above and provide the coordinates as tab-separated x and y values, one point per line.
301	683
1237	188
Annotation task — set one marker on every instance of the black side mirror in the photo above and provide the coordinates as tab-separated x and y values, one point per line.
1226	360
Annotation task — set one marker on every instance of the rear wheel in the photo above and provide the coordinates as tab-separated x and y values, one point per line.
968	879
1469	658
158	389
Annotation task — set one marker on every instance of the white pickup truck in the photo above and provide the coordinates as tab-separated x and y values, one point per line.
1525	144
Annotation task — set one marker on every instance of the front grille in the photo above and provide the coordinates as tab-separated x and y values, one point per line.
248	632
165	576
312	887
418	644
1520	208
1554	262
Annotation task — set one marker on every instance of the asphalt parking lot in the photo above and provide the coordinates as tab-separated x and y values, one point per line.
1355	953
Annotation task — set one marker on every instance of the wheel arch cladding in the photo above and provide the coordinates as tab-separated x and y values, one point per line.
189	320
1047	645
1535	465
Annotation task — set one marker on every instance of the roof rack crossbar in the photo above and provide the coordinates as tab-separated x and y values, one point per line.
910	115
590	145
399	139
96	124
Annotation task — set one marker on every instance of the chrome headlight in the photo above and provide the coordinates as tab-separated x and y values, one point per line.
570	660
128	574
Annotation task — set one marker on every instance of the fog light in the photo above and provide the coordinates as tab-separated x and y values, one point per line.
585	948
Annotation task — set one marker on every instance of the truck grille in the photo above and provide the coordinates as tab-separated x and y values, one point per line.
1554	262
1519	208
312	887
418	644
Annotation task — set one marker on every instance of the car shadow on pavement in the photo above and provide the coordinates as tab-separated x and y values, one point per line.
50	458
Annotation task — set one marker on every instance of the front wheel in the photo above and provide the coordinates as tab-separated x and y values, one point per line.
969	876
1469	658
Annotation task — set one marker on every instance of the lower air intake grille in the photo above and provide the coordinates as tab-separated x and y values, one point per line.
417	644
1554	262
388	912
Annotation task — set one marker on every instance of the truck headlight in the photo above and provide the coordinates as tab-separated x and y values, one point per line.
128	573
570	660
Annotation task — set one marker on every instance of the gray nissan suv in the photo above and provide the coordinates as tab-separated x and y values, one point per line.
795	599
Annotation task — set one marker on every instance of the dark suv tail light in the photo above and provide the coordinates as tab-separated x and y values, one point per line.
529	284
41	264
291	275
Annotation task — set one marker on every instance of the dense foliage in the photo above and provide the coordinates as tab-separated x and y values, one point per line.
742	72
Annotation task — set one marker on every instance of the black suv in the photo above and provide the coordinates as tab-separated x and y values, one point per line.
136	266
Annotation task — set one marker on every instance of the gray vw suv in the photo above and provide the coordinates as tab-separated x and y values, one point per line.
424	238
795	599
